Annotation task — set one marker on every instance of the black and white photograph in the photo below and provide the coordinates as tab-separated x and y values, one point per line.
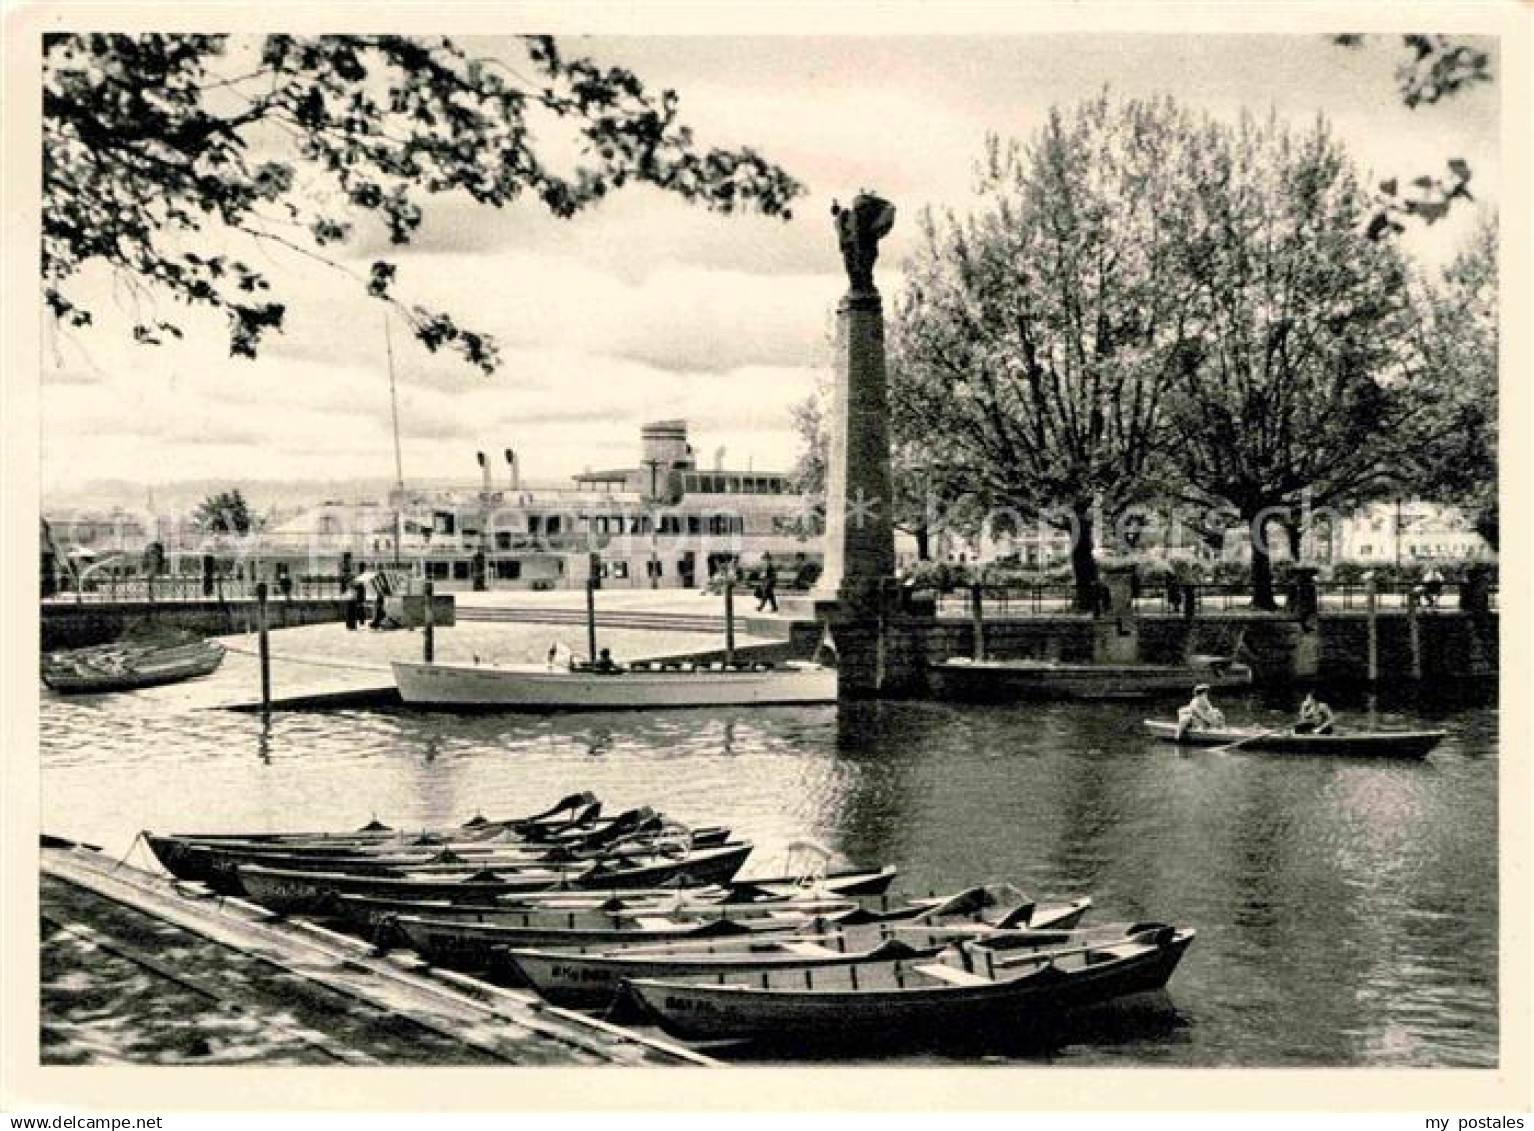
776	548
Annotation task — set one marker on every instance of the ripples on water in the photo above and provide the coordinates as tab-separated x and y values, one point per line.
1346	910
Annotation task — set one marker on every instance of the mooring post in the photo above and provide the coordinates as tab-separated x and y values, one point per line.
977	615
264	649
1371	607
1414	633
729	614
591	614
429	620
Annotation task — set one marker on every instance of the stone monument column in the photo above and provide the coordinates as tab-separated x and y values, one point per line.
859	540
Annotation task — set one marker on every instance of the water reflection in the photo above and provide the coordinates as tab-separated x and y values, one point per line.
1346	910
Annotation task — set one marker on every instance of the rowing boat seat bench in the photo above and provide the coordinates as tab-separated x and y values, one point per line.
951	974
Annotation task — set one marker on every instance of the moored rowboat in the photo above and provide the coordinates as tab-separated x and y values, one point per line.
290	890
575	813
1371	744
593	975
471	943
129	667
970	987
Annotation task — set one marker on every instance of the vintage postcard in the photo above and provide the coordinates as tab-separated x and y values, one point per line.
938	545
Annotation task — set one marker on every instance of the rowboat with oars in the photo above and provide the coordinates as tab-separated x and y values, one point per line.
997	984
592	975
862	886
127	667
473	945
575	814
291	890
1404	744
194	859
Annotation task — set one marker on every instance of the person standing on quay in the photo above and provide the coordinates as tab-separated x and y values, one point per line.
766	592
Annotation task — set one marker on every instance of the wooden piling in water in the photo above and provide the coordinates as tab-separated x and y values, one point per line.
1414	634
977	616
429	621
729	615
1371	605
591	614
264	649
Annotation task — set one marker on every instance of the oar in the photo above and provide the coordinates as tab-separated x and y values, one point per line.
1228	747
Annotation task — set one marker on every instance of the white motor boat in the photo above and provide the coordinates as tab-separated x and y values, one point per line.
641	685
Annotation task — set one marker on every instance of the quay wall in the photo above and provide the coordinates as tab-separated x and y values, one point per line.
67	625
1451	644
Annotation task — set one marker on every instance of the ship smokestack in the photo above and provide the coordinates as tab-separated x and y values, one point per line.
511	460
484	468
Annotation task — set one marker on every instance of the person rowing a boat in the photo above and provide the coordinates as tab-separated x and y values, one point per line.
1315	716
1199	714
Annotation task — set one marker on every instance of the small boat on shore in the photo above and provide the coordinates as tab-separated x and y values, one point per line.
1404	744
127	667
991	984
1008	680
533	687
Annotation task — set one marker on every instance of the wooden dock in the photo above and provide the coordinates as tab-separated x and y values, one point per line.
325	666
335	996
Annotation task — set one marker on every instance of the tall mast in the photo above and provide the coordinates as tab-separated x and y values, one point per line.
399	463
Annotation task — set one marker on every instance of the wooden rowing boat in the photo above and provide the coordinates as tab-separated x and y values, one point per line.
289	890
571	815
207	861
592	975
1009	680
644	686
463	937
1403	744
834	889
979	986
129	667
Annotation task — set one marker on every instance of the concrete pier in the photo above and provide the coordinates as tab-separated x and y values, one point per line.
285	990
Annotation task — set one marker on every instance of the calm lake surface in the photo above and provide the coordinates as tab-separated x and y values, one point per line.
1346	910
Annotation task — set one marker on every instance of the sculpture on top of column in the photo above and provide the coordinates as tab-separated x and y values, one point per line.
859	229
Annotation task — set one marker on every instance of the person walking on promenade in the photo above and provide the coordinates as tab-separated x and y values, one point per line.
1199	714
766	592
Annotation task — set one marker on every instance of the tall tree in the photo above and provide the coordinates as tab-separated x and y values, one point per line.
1288	396
226	512
1038	337
151	143
1452	456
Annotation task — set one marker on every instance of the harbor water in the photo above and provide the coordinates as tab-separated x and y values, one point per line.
1346	909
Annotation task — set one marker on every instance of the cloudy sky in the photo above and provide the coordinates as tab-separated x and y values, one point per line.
647	308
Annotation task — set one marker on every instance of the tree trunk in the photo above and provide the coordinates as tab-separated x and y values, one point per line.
1084	563
1296	535
923	538
1262	569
